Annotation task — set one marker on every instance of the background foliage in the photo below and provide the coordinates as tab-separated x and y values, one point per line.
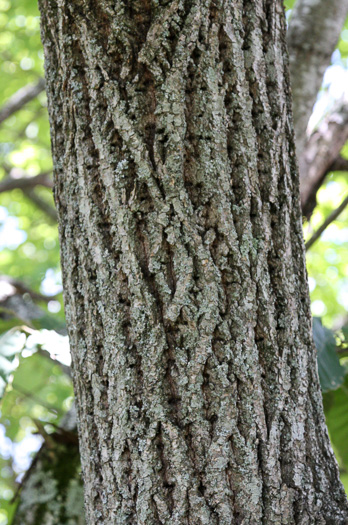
33	344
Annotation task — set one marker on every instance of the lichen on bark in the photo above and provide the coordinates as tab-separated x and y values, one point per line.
185	286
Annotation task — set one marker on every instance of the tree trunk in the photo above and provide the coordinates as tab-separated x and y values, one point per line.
183	263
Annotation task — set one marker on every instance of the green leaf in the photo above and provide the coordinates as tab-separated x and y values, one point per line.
11	343
289	4
336	412
331	372
345	333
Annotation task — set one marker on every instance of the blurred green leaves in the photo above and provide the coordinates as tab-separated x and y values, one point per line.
24	149
343	43
39	390
327	262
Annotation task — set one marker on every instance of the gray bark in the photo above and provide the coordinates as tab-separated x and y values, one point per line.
183	264
314	30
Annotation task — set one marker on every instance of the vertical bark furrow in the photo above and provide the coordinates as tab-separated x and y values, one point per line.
181	240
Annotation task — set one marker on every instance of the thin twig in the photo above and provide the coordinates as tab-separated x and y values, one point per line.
12	313
27	185
326	223
22	288
27	394
42	204
20	98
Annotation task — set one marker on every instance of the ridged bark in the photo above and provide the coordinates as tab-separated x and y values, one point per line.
183	264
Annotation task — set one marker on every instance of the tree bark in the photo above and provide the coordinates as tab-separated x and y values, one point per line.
183	264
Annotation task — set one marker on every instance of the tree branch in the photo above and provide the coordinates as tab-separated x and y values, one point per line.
314	30
20	98
326	223
21	288
38	400
41	203
339	164
322	155
27	185
22	183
